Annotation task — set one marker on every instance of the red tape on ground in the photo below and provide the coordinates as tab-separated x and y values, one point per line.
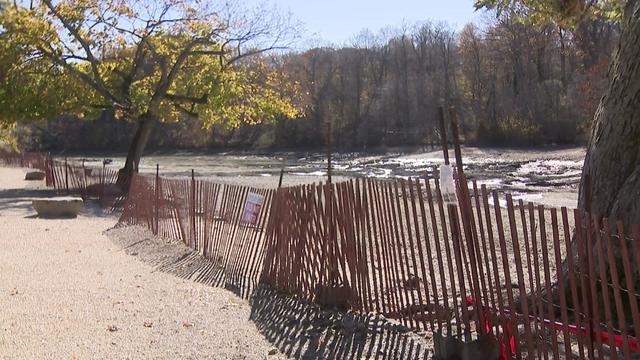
618	340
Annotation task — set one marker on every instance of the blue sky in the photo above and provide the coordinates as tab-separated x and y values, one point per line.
337	21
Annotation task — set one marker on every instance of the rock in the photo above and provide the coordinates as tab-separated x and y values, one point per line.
58	207
34	175
336	296
348	323
486	347
412	283
273	351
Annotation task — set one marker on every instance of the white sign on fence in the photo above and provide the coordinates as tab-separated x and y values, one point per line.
252	208
447	186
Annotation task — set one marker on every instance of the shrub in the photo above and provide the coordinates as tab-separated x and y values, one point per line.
510	131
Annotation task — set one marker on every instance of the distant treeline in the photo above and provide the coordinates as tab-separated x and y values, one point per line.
511	83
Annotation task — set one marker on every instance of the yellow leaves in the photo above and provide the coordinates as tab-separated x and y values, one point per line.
249	95
26	26
8	137
119	113
566	13
64	81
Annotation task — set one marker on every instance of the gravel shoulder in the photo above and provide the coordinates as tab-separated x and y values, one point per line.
68	292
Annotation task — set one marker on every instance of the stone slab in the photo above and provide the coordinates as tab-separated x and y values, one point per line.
34	175
58	206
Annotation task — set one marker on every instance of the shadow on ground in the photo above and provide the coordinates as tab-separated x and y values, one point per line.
304	331
20	199
297	328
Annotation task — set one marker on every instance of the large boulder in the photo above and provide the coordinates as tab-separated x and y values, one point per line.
58	206
35	175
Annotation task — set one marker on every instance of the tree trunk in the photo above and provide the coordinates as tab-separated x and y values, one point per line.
563	60
613	154
612	163
136	148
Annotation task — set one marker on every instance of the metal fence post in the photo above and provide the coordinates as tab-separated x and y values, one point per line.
443	135
84	193
456	140
193	208
329	151
281	175
51	178
66	174
157	212
102	180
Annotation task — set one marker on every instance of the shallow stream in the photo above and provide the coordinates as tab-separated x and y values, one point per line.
544	175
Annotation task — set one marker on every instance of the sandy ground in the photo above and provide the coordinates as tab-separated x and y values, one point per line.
69	289
68	292
296	327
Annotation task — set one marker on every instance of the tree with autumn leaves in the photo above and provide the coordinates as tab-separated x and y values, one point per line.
149	61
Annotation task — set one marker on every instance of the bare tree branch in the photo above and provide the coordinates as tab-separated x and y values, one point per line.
98	81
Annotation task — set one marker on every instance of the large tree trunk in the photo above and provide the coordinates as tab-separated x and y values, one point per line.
610	186
613	155
136	148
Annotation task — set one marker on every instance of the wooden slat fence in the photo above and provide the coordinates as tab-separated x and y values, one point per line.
545	282
213	219
86	182
72	178
487	264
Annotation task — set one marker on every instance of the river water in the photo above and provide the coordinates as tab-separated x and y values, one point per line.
549	175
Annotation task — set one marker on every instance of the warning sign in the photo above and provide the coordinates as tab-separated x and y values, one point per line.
252	208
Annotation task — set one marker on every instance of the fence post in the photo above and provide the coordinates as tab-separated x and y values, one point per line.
281	175
193	208
329	150
50	172
102	182
83	191
443	135
66	174
157	212
456	139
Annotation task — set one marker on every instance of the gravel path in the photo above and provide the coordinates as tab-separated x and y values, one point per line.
67	292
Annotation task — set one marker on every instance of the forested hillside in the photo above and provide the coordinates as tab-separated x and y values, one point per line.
512	84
